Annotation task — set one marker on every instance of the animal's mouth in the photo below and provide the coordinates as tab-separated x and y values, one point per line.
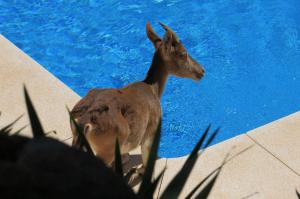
198	76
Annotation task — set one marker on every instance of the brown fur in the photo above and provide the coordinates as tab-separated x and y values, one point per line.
132	113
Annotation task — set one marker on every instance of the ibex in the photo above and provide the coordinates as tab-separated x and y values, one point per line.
132	113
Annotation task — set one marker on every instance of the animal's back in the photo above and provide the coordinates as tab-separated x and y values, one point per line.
128	112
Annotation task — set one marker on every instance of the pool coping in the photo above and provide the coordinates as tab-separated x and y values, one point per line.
274	146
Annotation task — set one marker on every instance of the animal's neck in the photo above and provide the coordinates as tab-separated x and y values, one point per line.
157	75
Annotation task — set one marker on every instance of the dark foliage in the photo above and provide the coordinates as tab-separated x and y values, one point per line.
43	167
46	168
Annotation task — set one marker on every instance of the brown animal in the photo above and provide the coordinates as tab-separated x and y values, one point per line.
132	113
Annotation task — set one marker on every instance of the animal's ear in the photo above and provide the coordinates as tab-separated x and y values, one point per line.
154	38
168	39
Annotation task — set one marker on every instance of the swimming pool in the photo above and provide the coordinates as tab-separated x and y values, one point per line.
250	50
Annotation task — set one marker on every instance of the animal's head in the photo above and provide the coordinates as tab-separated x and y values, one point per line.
174	55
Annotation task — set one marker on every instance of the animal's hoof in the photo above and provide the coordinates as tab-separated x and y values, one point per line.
140	169
133	177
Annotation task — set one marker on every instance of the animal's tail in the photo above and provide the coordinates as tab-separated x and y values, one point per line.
77	141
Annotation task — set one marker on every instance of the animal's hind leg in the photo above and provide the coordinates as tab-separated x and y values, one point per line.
125	158
126	162
145	148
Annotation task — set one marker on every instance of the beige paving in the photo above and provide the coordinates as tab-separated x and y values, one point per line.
68	141
253	174
282	139
49	95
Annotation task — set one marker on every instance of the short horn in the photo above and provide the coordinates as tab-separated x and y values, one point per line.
165	27
170	30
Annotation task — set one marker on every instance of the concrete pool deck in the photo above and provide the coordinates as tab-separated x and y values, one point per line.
270	168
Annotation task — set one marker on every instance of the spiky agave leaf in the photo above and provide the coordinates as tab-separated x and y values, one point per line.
151	189
211	138
36	126
118	160
7	129
128	175
194	190
19	130
225	161
176	185
79	130
147	178
50	132
206	190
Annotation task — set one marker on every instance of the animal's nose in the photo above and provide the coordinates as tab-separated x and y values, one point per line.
203	71
199	75
200	69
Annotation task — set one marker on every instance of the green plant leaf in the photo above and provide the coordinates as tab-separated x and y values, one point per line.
298	194
79	130
147	178
176	185
36	126
118	159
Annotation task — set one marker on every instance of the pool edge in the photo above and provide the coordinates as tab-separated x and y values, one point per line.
49	93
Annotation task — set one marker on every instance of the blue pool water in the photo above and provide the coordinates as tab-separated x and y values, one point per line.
249	48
